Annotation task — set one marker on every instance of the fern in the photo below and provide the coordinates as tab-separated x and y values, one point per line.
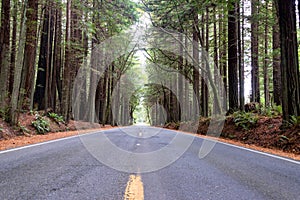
57	118
41	125
245	120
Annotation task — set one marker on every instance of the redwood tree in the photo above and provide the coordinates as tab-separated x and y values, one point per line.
232	57
289	58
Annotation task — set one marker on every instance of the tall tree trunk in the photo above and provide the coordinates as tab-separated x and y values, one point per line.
240	55
266	59
13	46
289	58
223	49
216	57
196	75
232	58
255	97
57	63
276	59
4	49
67	66
180	75
204	87
28	72
18	69
41	94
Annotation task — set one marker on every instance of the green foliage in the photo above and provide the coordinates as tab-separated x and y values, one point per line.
245	120
274	111
41	124
294	121
57	118
1	129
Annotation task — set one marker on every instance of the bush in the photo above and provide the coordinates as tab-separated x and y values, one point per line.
57	118
41	124
1	129
245	120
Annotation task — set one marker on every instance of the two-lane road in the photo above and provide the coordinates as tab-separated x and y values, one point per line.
65	169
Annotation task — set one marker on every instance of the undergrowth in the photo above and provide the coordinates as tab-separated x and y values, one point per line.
57	118
41	124
245	120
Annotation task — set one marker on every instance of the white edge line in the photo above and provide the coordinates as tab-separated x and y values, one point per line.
240	147
262	153
48	142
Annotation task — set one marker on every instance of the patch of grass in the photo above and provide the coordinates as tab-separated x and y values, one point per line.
57	118
41	124
245	120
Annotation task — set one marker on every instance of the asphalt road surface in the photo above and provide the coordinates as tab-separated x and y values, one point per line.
70	169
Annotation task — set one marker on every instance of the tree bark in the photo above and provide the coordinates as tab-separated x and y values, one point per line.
196	75
28	72
4	49
266	59
276	59
232	58
255	97
289	58
13	46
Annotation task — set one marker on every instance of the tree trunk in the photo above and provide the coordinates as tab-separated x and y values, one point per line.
240	56
67	66
276	59
13	47
255	97
196	75
289	58
266	60
18	69
223	49
41	94
28	72
232	58
4	49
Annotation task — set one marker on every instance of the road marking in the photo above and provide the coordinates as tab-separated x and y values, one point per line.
262	153
134	189
240	147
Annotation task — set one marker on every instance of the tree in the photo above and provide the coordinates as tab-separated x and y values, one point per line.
276	59
232	56
289	58
4	49
254	52
28	71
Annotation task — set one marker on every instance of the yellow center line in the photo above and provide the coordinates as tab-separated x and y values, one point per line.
134	188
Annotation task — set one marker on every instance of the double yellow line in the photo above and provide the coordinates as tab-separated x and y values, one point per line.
134	189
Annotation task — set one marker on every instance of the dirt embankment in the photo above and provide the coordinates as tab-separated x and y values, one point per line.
24	133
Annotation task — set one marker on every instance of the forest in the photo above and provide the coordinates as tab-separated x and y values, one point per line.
233	57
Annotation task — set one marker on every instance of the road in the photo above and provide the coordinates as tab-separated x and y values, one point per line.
65	169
